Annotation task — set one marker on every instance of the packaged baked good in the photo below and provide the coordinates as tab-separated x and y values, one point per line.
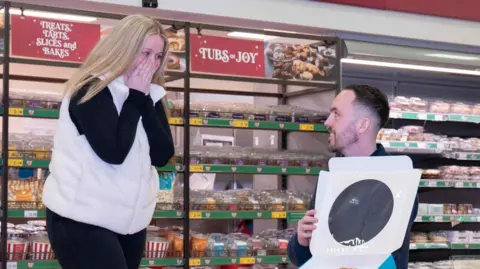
402	103
431	174
476	109
412	129
418	238
450	209
40	247
437	237
418	105
439	107
460	108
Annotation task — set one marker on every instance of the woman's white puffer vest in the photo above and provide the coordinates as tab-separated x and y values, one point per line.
84	188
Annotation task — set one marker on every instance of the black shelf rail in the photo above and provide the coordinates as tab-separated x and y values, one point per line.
6	97
282	94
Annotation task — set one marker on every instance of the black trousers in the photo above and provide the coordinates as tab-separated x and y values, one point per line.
78	245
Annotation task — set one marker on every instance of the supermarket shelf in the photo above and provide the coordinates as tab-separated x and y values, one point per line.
53	264
414	147
33	112
434	117
40	213
452	218
251	124
438	183
238	260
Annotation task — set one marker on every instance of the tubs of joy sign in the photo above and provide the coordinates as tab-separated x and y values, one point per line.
312	61
52	39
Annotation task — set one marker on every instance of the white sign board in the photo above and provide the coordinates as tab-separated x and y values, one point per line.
362	203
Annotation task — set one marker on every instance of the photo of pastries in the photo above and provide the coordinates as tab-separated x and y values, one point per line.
299	62
176	51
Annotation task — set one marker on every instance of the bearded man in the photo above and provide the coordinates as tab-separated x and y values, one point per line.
356	116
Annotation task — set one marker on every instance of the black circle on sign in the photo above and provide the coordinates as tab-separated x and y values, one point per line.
360	212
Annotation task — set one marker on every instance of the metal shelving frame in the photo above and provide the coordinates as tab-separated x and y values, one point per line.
315	86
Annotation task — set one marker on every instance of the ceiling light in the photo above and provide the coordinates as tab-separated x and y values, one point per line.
452	56
50	15
250	35
412	67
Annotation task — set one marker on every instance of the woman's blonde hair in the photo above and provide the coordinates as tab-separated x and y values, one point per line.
115	53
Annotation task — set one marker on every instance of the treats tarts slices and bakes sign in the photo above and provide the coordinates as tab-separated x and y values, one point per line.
53	39
228	56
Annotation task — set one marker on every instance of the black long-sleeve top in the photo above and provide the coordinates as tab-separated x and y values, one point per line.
111	134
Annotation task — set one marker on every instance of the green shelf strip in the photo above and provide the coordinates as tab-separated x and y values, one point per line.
453	218
434	116
424	183
467	156
238	260
464	246
53	264
33	112
198	168
40	213
251	124
412	145
414	246
291	216
251	169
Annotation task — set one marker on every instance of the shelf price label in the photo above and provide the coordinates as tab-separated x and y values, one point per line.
195	121
240	123
195	262
30	214
15	162
307	127
195	215
279	215
175	121
15	111
247	260
12	265
196	168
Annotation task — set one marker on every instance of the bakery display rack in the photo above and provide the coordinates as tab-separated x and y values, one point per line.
434	119
25	157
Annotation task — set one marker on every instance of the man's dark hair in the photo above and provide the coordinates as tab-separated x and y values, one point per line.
372	99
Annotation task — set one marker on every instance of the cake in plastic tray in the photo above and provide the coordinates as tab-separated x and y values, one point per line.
440	107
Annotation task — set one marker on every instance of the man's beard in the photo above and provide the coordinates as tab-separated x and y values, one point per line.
343	140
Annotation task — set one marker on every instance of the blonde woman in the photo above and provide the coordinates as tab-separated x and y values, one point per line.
112	131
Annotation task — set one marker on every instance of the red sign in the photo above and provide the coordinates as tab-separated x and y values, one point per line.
228	56
53	39
465	9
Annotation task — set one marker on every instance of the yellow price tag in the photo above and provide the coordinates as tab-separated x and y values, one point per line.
15	163
196	168
15	111
195	215
195	121
195	262
306	127
240	123
247	260
175	121
279	215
